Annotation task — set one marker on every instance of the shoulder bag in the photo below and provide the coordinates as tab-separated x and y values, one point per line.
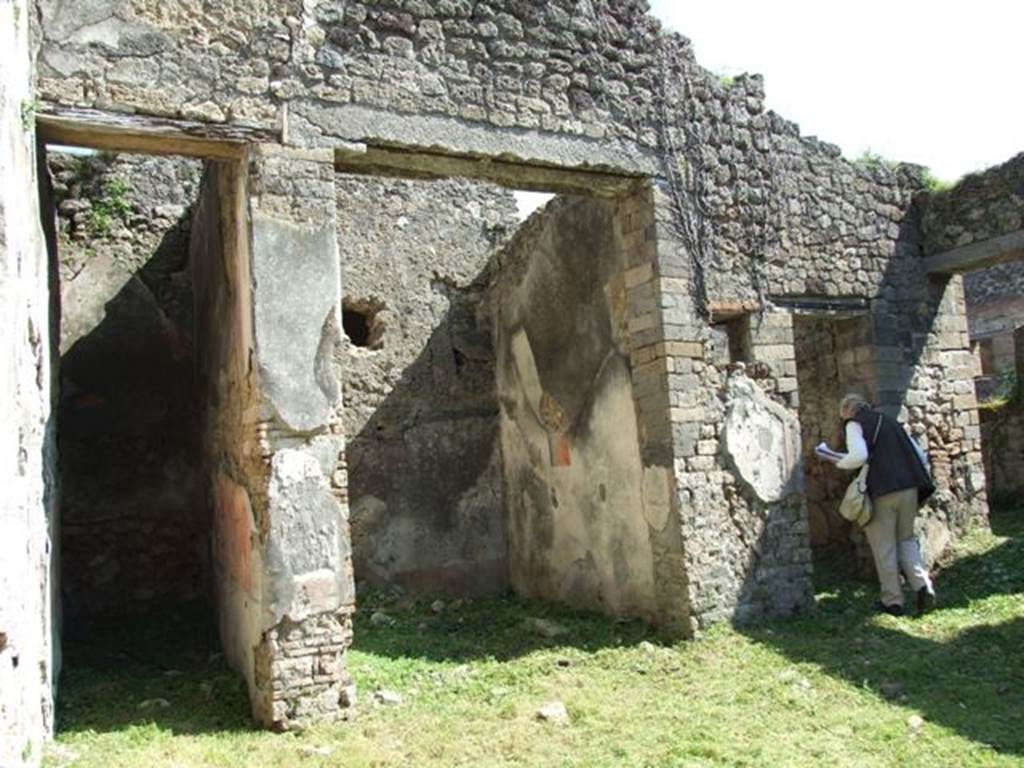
856	504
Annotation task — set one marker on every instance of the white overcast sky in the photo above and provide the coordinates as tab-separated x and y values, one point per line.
939	82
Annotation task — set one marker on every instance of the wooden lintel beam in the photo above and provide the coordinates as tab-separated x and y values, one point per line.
837	307
977	255
387	161
117	132
720	311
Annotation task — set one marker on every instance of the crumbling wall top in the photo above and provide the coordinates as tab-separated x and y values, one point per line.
979	207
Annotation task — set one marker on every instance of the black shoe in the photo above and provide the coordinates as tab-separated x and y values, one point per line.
925	600
892	610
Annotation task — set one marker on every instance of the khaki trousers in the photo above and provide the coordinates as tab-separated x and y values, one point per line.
891	536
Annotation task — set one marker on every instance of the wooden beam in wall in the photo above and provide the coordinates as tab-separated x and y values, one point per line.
146	134
977	255
838	307
720	311
417	164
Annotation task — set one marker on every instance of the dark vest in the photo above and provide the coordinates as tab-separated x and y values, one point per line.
894	464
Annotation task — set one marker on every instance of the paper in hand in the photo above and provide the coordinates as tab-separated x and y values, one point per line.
822	451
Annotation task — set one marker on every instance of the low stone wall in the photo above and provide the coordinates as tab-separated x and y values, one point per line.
135	527
420	404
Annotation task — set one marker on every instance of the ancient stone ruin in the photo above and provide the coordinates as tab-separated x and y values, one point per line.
285	331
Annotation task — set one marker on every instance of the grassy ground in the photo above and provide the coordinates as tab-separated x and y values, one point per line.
839	688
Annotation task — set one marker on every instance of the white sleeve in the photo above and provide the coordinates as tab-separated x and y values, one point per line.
920	454
857	449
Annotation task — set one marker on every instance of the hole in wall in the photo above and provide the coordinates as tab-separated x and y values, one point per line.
730	339
738	331
363	325
356	327
460	360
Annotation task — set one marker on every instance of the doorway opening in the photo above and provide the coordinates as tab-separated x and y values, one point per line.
137	571
834	356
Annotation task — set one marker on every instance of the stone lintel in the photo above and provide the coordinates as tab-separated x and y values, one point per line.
119	132
976	255
416	164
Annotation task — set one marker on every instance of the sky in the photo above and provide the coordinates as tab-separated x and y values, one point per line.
939	83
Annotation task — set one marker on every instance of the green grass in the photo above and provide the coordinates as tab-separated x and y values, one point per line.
836	688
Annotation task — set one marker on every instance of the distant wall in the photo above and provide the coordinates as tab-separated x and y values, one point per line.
1002	438
820	388
28	667
135	524
995	308
574	474
985	205
420	405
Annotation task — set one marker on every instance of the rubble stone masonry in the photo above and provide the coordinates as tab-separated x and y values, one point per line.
717	231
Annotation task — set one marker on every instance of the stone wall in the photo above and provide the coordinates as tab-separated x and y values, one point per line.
979	207
267	285
995	308
301	513
331	69
1002	430
743	218
986	207
420	405
135	527
578	522
989	285
738	473
28	535
820	388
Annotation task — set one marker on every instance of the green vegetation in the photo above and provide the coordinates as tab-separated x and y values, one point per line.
1007	392
842	687
29	107
113	206
935	184
1009	389
873	161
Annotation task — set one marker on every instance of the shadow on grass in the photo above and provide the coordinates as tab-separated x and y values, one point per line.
972	683
164	669
498	628
159	668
